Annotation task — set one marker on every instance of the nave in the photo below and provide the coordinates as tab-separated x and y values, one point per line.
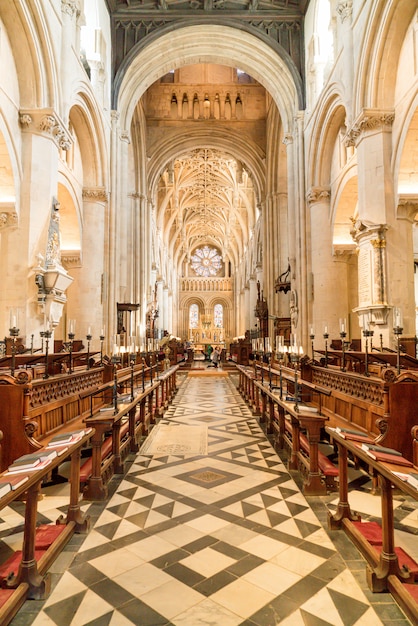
219	538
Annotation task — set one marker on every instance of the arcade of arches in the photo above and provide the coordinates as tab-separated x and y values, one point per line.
276	146
164	164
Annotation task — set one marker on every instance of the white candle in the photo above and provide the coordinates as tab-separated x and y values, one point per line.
326	330
89	330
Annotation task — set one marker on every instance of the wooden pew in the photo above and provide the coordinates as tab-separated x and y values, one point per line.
384	569
25	574
289	421
384	408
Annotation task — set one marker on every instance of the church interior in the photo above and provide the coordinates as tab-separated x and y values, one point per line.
209	312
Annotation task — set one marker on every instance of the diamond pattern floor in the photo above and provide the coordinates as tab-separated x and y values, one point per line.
226	538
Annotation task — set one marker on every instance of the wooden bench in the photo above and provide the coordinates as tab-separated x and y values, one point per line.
384	571
289	423
25	574
327	467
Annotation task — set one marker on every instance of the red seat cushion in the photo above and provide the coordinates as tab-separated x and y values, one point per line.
371	531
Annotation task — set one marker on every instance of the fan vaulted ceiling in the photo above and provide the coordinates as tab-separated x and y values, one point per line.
206	197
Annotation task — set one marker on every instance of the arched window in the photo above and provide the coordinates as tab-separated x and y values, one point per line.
194	316
218	315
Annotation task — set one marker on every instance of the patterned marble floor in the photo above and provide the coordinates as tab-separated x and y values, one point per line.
225	538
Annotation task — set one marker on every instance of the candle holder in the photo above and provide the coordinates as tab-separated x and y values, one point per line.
295	357
70	347
102	338
397	331
31	343
47	335
89	338
366	334
115	360
343	335
42	334
312	337
326	335
132	359
14	332
143	374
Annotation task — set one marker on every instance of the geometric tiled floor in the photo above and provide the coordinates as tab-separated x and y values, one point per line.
225	538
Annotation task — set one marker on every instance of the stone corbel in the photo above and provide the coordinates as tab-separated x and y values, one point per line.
8	216
368	120
407	207
46	122
318	194
95	194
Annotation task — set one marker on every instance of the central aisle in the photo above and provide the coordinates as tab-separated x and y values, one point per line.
225	538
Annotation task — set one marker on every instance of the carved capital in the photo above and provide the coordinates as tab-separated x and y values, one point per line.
71	259
318	194
345	9
8	216
47	123
287	139
95	194
368	120
124	136
69	7
367	230
407	207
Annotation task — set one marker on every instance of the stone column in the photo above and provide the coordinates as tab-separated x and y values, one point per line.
23	248
344	10
68	39
90	298
383	233
112	235
329	290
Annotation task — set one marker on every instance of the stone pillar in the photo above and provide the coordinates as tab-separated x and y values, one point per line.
112	239
329	290
88	303
344	10
383	233
43	136
68	40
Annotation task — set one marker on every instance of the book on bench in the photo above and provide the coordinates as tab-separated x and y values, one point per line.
32	460
369	446
10	483
353	435
413	479
65	439
385	457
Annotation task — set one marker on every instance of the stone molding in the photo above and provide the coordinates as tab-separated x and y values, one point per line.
407	208
8	219
71	258
318	194
345	9
369	120
69	7
93	194
46	122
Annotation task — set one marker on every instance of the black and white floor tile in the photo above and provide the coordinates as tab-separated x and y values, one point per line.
226	538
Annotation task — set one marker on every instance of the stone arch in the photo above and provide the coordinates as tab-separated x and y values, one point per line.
386	28
11	174
31	45
322	140
90	133
208	43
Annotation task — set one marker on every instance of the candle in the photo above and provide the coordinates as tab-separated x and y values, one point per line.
326	330
89	330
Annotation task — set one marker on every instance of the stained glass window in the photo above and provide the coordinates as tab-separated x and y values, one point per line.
206	261
218	315
194	316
